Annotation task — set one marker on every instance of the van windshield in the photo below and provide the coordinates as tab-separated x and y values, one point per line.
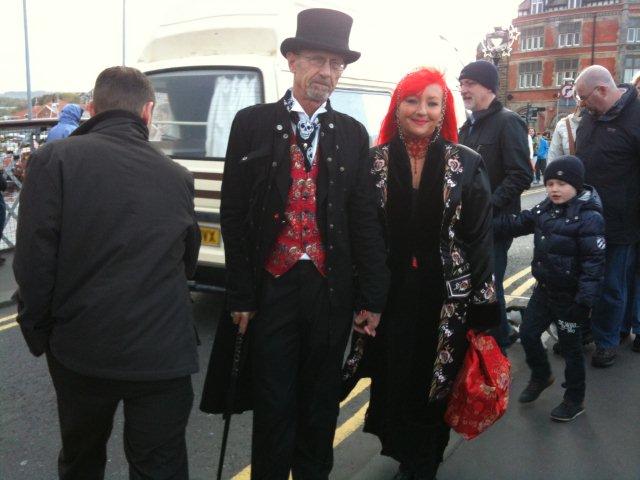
195	108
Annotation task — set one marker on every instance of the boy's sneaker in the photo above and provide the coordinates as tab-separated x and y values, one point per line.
636	343
603	357
566	411
534	389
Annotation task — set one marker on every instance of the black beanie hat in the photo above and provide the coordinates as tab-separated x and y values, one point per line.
568	169
483	72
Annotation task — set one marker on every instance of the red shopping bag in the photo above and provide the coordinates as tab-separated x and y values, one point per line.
480	394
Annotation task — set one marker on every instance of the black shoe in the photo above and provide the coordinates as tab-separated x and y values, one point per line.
603	357
636	343
534	389
2	260
566	411
557	349
403	474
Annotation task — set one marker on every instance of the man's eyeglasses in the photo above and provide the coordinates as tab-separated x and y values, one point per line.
319	62
580	98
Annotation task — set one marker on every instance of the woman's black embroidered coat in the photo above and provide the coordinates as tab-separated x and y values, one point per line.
465	244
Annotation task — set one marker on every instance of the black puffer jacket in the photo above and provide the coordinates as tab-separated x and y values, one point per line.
609	147
569	245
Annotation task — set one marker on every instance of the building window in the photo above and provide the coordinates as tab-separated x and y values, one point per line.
569	34
631	68
574	3
530	75
566	68
532	39
537	6
633	33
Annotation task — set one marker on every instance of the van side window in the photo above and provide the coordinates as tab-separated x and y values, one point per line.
195	108
368	107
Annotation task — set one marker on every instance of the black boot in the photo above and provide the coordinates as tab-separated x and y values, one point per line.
534	389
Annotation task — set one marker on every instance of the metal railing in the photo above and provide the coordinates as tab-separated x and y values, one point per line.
18	139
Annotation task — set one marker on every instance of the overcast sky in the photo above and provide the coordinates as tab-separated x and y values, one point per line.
71	41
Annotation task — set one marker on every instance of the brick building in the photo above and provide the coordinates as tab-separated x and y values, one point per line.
559	38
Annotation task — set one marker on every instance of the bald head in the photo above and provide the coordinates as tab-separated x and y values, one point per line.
596	90
596	76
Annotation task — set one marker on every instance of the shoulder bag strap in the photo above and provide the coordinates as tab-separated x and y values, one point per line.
572	141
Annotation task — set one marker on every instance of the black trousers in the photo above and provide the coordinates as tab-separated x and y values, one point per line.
298	345
155	412
543	308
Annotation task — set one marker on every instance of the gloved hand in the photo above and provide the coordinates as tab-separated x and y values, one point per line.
578	313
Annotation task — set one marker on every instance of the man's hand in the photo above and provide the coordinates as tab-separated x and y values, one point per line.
242	320
366	322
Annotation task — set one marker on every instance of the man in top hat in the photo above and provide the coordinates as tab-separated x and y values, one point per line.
500	136
298	212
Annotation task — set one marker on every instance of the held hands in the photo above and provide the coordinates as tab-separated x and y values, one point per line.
242	320
366	322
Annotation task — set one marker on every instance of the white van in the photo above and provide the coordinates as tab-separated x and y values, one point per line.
206	69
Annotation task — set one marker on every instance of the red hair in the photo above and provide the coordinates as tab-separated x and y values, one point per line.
414	83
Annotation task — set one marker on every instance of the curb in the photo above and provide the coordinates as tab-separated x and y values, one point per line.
7	303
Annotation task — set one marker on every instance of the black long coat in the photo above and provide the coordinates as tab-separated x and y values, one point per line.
465	246
254	195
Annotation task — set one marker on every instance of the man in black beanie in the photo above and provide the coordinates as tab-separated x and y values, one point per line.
500	136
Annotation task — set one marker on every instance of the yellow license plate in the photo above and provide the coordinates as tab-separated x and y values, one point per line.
210	236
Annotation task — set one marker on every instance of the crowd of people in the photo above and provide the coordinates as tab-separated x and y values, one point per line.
405	243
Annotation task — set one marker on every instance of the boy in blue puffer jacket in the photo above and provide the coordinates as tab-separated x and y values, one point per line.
568	264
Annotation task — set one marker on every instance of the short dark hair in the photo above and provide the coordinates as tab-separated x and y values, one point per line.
122	88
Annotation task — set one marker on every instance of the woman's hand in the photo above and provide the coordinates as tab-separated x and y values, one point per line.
242	320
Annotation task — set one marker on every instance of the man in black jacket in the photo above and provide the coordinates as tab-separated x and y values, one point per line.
500	136
608	142
298	213
106	240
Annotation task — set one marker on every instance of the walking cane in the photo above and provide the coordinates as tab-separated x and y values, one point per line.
233	384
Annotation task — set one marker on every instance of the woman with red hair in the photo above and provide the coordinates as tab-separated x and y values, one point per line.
435	204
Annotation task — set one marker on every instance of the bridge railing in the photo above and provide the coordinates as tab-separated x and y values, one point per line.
18	139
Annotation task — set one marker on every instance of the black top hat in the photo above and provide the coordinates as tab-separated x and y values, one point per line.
322	29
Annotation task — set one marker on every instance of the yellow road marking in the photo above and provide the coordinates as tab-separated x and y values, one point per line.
8	326
517	276
524	287
347	428
10	317
532	192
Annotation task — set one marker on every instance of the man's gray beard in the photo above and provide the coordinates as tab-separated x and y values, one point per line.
317	95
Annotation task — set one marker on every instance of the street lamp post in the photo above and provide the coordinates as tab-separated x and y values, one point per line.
26	60
497	44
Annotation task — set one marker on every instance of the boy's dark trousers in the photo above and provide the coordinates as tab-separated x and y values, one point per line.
545	307
155	412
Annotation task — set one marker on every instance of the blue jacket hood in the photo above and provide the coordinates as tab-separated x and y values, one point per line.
68	122
71	113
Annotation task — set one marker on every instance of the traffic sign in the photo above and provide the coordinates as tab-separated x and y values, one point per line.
567	91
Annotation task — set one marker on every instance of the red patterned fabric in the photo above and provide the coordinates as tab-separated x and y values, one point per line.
480	394
300	235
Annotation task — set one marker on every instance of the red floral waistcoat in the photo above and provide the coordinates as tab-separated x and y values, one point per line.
300	235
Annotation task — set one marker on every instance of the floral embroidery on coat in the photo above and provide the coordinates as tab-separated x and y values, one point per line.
461	291
380	170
